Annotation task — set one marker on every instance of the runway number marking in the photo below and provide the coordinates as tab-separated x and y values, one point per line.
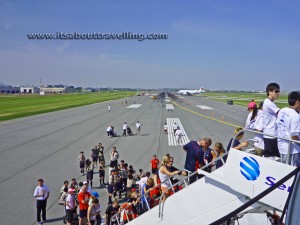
134	106
169	106
204	107
171	137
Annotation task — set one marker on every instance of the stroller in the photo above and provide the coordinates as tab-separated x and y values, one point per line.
129	132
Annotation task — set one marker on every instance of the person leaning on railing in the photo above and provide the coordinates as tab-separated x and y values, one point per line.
165	175
288	124
236	141
217	152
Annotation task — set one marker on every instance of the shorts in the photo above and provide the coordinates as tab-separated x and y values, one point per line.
101	173
167	193
113	164
69	215
154	170
110	189
83	213
258	150
81	165
89	175
95	159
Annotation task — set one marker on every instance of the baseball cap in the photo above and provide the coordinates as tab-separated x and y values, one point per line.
71	190
251	105
85	182
94	193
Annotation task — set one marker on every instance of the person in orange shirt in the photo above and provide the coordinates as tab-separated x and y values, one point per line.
154	164
83	198
130	208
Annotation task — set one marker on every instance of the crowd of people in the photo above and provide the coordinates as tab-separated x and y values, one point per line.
277	126
142	191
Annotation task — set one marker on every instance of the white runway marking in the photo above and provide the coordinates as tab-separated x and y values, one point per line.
204	107
171	137
169	106
134	106
167	100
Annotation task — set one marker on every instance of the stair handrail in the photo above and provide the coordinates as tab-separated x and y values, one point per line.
160	208
270	135
228	217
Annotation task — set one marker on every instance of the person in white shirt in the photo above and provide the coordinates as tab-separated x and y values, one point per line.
270	111
288	123
109	108
166	128
138	128
41	193
253	122
109	131
124	129
178	135
114	156
70	206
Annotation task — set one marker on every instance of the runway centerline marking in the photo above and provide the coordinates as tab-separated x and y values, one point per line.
207	117
171	137
134	106
204	107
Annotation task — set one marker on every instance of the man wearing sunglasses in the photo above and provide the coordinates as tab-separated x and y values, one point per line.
270	111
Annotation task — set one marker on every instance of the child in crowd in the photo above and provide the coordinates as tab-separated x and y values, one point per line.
81	159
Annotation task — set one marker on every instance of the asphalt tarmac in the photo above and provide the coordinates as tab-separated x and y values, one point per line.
47	146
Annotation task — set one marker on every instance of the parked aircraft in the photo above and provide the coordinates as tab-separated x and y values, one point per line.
191	92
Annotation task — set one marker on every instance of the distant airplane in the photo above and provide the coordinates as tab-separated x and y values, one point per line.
191	92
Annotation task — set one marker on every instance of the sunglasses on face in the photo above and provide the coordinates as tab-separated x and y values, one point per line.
277	91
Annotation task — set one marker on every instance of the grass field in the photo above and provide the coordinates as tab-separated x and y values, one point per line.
243	98
16	106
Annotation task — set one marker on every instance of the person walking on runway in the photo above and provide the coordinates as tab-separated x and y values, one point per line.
125	126
138	128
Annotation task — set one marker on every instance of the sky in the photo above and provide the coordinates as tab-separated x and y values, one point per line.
241	45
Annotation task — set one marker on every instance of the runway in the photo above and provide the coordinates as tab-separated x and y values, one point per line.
47	145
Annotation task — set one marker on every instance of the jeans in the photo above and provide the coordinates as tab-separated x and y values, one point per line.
294	159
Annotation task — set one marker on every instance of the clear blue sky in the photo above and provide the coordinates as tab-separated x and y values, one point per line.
214	44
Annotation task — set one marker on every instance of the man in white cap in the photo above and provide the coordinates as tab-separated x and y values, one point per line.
89	189
70	206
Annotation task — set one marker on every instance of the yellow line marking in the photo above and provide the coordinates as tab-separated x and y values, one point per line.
207	117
